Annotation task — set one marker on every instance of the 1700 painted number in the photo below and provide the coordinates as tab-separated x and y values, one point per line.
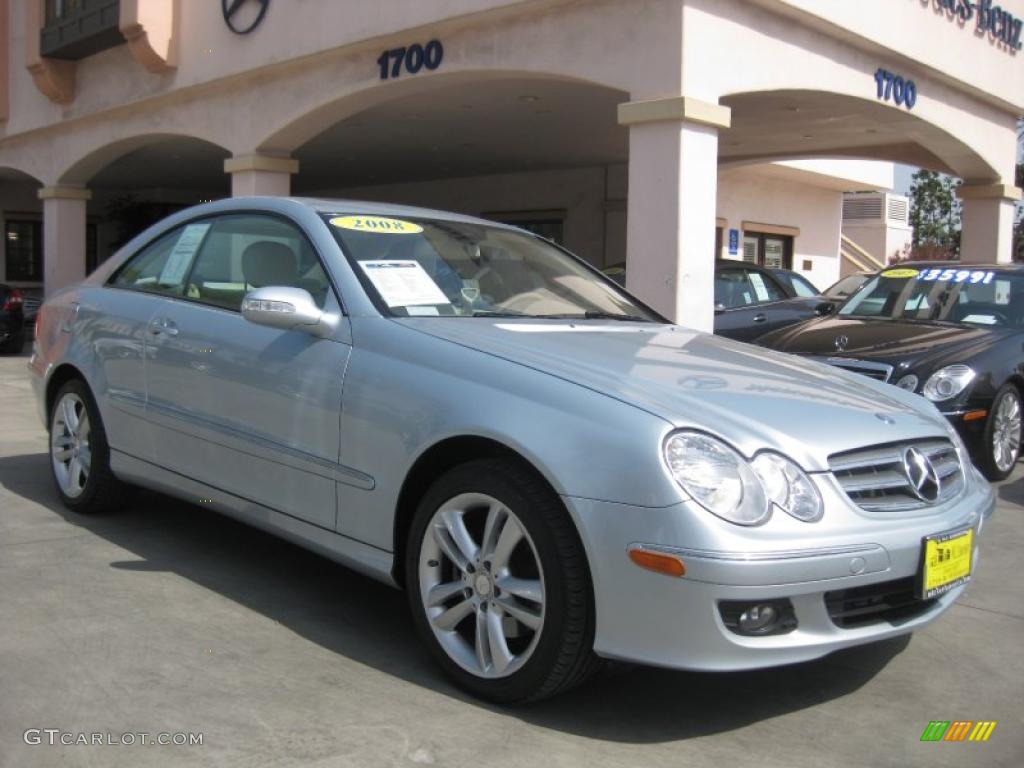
895	88
411	59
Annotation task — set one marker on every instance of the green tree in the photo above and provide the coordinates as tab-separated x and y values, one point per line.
934	215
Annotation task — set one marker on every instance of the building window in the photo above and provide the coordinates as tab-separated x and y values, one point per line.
23	246
772	251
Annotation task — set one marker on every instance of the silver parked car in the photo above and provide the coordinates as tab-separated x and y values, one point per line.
552	472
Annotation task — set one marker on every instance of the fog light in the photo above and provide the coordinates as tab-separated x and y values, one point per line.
765	617
758	619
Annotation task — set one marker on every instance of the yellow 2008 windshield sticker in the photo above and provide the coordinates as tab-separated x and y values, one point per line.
905	272
380	224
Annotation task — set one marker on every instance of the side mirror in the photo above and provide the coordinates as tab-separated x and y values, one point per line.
286	308
825	308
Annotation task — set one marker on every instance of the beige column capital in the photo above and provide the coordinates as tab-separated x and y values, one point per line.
64	193
679	108
257	162
1006	192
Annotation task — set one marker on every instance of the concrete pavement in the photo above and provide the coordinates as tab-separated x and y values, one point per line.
166	617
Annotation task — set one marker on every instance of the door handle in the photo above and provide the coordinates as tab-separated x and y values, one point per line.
760	317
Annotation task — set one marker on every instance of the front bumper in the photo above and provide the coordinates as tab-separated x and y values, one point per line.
655	619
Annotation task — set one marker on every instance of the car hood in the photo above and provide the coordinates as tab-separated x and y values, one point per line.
914	344
752	397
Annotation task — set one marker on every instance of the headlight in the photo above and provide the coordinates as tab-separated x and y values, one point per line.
717	477
788	487
908	382
947	382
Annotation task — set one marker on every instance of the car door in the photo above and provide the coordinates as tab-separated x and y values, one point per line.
118	327
247	409
749	303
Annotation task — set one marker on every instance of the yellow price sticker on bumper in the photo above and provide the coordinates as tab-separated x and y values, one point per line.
380	224
900	273
947	562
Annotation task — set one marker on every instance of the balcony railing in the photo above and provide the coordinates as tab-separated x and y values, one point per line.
75	29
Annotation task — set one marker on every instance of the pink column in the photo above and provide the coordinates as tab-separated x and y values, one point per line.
987	223
673	183
260	175
64	210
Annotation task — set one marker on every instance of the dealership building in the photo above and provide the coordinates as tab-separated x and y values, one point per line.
659	133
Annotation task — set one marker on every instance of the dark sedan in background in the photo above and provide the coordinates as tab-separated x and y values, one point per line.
952	332
12	320
752	300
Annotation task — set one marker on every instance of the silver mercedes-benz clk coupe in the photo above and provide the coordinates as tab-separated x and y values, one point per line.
553	472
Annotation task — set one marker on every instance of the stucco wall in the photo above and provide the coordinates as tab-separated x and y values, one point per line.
816	212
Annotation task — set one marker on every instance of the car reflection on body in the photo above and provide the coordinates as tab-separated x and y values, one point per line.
553	473
949	331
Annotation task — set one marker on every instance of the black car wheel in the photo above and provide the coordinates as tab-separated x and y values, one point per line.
498	583
1002	434
79	453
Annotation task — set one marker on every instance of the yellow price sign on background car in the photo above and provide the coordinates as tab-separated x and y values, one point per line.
381	224
947	562
904	272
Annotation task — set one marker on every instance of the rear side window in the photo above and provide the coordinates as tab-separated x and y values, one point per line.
162	266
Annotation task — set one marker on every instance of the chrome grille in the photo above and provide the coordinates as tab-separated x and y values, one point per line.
875	480
877	371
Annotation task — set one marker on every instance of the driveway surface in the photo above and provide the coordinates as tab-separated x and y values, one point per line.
167	618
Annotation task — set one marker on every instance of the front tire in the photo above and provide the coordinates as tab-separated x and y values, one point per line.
1002	437
79	453
498	583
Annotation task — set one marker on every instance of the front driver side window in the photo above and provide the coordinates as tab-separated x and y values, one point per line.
248	251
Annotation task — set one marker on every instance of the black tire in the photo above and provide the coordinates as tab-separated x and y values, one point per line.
1007	396
563	656
102	490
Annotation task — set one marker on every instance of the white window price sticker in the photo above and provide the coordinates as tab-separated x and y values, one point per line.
178	262
402	283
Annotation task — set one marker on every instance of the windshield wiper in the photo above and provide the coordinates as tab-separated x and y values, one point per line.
488	313
595	315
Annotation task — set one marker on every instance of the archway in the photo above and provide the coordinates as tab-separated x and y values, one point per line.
547	153
797	123
136	181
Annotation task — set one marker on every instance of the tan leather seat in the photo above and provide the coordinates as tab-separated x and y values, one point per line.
268	262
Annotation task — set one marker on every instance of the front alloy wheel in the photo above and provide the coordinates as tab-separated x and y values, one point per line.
1003	433
483	592
498	583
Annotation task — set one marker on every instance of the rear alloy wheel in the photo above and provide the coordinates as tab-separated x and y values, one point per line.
498	583
1003	434
79	454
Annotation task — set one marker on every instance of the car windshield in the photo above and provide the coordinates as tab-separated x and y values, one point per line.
847	285
414	266
960	295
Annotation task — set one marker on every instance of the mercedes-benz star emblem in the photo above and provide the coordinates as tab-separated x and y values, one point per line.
924	480
243	16
841	342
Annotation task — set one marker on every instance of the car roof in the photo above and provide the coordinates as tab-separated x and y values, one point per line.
1013	266
325	205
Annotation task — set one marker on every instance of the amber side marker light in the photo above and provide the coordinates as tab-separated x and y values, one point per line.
975	415
658	562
